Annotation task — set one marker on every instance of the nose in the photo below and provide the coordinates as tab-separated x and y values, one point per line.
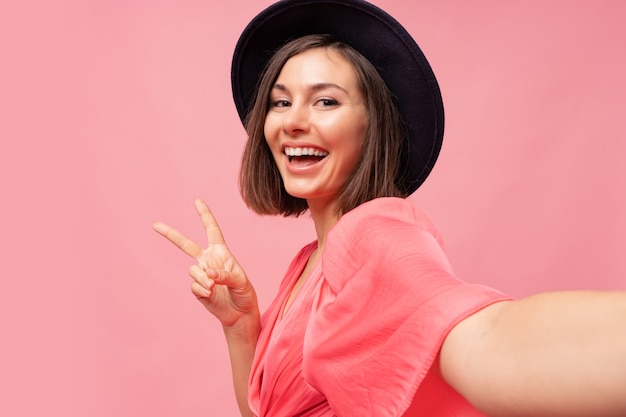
296	120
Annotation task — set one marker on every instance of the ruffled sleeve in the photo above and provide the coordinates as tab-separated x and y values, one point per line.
387	300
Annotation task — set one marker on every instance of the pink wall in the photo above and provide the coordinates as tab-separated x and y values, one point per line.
115	114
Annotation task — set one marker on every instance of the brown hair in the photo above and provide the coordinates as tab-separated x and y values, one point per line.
376	174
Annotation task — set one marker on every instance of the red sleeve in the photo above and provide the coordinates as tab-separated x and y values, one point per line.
388	299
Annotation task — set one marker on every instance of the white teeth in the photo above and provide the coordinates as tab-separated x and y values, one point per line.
304	152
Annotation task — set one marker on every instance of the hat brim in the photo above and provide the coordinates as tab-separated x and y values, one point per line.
378	37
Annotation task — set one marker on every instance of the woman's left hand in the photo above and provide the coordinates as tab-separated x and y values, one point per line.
220	283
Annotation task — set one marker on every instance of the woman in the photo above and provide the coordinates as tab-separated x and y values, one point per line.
344	120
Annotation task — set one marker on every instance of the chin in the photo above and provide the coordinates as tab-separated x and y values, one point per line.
298	194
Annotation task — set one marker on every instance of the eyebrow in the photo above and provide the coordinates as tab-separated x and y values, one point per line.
312	87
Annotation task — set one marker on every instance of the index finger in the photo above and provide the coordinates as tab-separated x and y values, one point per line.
185	244
213	231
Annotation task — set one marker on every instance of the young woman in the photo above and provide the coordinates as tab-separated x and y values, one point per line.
344	120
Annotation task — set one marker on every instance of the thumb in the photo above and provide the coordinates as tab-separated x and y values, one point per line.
223	277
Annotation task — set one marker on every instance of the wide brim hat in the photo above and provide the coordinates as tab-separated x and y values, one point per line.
378	37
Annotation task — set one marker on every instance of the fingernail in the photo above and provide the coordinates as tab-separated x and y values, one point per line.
159	227
214	273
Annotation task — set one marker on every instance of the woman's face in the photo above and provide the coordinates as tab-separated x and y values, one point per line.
316	124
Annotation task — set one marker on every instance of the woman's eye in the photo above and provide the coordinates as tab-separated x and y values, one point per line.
279	103
327	102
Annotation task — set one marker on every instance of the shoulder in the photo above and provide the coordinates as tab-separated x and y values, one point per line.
388	236
384	216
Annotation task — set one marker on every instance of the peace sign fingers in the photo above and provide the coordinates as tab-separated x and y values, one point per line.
219	283
185	244
213	231
191	248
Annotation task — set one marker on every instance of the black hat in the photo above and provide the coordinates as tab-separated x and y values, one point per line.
380	39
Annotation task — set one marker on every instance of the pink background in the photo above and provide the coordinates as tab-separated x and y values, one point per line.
114	114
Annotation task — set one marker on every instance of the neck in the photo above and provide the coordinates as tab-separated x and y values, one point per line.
325	217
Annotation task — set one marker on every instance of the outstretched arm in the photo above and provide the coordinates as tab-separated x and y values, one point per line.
222	286
553	354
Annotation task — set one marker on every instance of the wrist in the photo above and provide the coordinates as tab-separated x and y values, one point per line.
246	329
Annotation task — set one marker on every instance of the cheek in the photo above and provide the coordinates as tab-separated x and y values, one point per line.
271	139
270	132
354	139
357	145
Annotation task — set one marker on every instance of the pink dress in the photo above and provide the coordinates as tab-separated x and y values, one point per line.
361	335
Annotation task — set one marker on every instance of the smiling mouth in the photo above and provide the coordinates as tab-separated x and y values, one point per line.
304	155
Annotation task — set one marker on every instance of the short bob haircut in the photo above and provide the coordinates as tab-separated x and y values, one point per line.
376	174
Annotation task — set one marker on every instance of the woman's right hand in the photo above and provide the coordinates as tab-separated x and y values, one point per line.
219	282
